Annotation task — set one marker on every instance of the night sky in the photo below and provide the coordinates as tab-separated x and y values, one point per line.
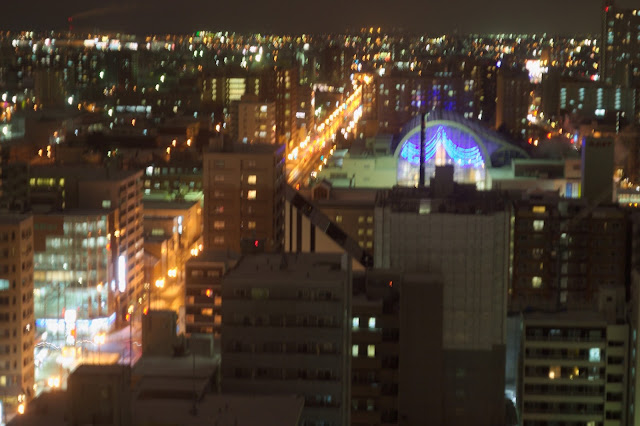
425	16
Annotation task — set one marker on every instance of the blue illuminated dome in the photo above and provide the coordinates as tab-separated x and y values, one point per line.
451	139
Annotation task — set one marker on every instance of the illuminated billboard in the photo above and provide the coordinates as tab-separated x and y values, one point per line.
122	273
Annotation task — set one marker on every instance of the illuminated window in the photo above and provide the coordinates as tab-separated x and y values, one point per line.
538	225
536	282
361	219
539	209
207	311
372	322
355	322
218	240
251	225
217	300
251	194
360	231
554	372
594	355
354	350
217	319
106	204
252	179
371	351
338	219
218	224
369	219
219	209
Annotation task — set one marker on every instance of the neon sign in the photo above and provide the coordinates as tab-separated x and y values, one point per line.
465	157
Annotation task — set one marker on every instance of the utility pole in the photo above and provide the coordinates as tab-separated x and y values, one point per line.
423	117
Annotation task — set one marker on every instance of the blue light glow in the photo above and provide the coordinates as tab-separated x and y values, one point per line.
465	157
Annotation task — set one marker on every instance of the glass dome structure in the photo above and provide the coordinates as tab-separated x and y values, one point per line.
451	139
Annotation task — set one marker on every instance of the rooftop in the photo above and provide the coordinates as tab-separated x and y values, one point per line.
168	205
214	256
13	218
244	148
222	410
83	172
314	266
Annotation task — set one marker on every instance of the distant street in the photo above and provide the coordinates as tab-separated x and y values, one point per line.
311	154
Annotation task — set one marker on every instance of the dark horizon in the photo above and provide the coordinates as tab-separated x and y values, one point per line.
288	16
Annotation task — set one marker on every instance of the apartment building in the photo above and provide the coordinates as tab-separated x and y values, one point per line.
286	327
17	322
244	197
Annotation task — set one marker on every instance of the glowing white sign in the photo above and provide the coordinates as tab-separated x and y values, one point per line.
122	273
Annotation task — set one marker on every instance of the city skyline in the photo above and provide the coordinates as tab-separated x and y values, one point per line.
288	16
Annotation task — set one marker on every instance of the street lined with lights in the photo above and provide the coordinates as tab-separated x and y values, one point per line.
313	152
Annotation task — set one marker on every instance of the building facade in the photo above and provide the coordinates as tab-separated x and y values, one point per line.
255	121
72	272
574	370
244	198
57	188
203	293
620	45
17	374
460	238
279	336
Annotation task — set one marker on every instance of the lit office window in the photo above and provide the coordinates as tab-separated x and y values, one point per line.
372	322
251	194
251	225
252	179
354	350
371	351
538	225
536	282
218	224
355	322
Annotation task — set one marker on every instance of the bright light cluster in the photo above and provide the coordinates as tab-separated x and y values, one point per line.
465	157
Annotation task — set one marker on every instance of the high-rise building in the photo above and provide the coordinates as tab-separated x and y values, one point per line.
244	198
286	97
73	269
457	237
286	327
17	323
401	97
512	102
564	251
620	48
574	370
254	121
57	188
203	293
593	101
